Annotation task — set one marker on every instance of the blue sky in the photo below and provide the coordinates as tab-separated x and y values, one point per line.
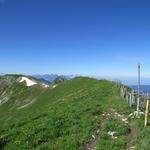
89	37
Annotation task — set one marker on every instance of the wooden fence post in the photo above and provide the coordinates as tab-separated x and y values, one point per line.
133	98
146	112
130	102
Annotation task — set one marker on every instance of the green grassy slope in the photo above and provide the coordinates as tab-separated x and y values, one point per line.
141	140
63	118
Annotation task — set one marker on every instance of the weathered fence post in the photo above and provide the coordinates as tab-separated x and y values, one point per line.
133	97
138	97
130	102
146	112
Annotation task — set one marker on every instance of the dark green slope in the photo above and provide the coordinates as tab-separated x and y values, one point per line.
61	118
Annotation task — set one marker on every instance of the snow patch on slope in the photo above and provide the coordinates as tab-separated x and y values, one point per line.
45	85
28	81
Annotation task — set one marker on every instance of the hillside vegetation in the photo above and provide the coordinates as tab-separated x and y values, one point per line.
61	118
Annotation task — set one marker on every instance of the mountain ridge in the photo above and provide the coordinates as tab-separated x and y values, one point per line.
62	117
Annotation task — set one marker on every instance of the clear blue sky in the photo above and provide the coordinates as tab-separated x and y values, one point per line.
93	37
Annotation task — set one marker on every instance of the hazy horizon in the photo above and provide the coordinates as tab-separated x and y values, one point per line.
125	80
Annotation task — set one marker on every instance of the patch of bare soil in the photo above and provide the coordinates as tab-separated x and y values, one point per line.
92	142
132	133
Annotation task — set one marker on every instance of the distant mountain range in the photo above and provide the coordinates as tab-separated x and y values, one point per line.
51	77
1	74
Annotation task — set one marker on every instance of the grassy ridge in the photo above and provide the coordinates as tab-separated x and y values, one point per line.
60	118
